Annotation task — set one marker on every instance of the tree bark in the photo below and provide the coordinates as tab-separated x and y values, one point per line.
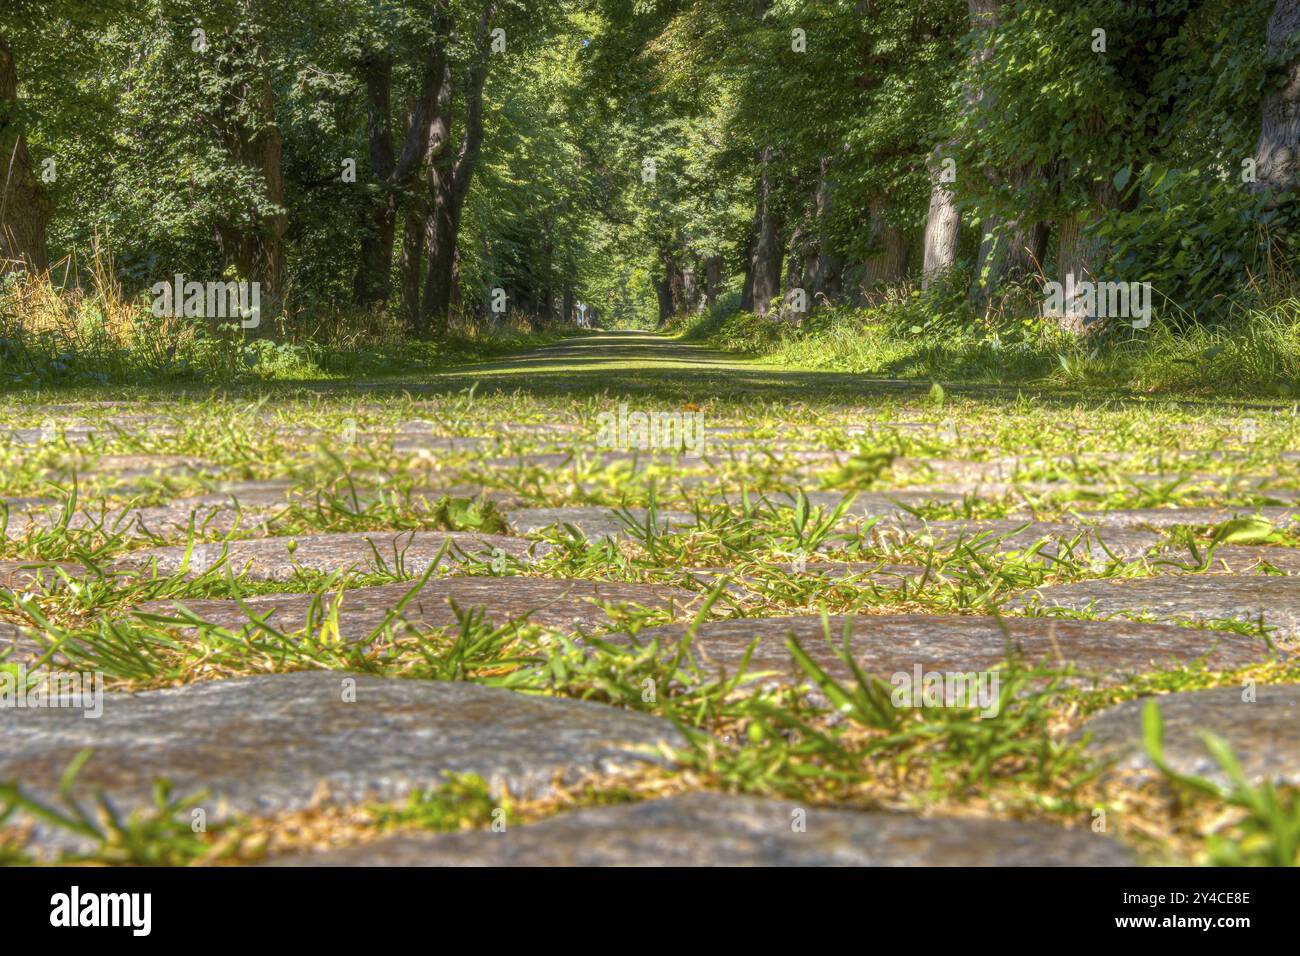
1079	251
800	267
437	139
441	229
671	288
888	263
690	290
24	209
547	309
410	263
1069	261
1277	153
941	225
1012	250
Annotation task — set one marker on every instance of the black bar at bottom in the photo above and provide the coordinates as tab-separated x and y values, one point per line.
657	906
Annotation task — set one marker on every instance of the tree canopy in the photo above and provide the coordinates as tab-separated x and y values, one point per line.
442	160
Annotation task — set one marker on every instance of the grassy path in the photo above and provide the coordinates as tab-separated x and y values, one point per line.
653	365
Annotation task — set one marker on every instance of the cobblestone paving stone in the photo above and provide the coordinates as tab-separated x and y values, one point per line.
560	604
858	573
268	744
36	575
707	829
1161	518
886	645
1273	599
1262	725
209	515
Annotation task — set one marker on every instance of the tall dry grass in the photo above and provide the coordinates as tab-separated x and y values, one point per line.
48	328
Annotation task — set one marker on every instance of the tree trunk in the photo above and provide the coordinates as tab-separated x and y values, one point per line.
943	221
419	217
823	271
1069	262
800	269
712	280
255	252
1277	154
450	188
24	209
1079	252
941	225
671	288
690	291
763	277
1011	250
548	292
371	284
664	291
391	173
411	262
888	263
441	231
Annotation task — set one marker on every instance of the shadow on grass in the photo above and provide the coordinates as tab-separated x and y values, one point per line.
653	367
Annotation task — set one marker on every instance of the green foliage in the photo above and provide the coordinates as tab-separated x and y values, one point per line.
162	835
621	162
1196	237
